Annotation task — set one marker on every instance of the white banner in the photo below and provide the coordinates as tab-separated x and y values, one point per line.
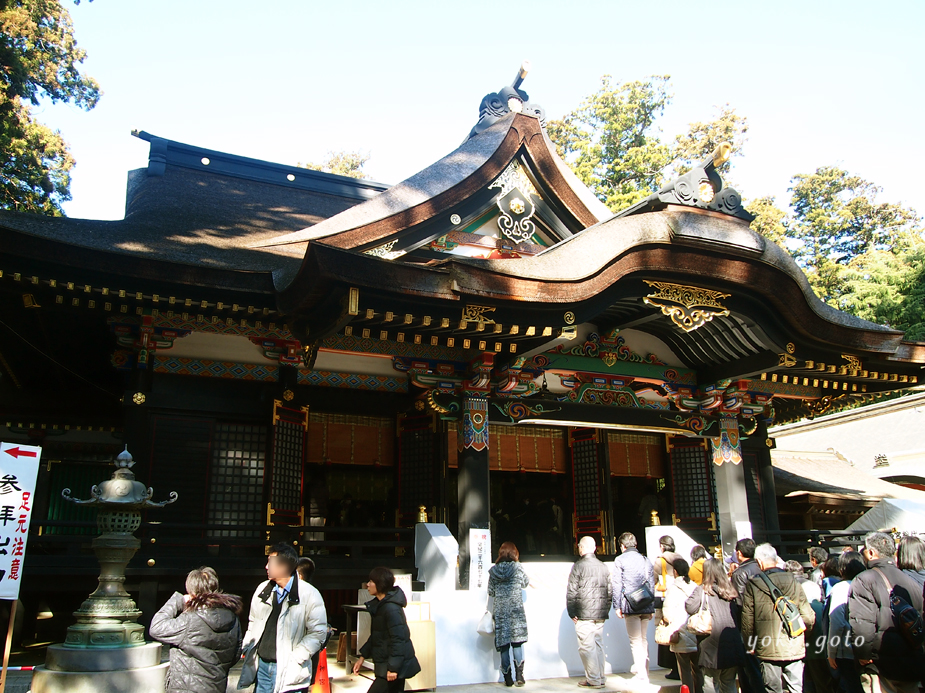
19	468
479	558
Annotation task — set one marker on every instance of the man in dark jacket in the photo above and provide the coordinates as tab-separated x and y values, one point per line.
632	570
749	673
588	604
748	566
879	647
763	631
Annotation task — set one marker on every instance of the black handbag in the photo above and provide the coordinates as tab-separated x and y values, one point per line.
640	598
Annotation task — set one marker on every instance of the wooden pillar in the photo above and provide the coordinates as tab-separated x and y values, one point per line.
732	505
729	476
473	489
766	477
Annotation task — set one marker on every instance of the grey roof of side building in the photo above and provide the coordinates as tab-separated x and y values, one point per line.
797	472
179	210
869	411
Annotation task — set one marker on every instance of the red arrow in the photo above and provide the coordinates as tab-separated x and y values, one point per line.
17	453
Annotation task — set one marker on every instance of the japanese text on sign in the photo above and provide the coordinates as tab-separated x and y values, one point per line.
19	466
479	558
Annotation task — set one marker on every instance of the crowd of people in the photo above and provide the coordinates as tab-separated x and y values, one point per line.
853	626
287	630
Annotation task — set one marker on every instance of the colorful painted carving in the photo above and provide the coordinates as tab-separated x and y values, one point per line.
726	446
142	339
516	410
286	351
475	424
610	348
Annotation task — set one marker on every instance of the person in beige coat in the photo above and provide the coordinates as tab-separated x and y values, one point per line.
287	626
674	613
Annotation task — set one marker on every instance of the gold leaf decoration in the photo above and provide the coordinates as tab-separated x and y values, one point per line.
689	307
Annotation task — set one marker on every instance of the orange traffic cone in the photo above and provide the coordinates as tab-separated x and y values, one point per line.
684	689
322	682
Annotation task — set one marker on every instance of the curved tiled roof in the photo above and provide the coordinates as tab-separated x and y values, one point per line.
474	155
181	210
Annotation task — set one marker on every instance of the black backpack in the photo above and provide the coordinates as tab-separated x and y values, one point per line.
789	614
906	618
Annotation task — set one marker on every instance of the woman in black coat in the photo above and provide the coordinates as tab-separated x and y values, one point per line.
203	628
389	644
722	651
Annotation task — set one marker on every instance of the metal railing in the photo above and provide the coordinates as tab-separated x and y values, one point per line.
794	544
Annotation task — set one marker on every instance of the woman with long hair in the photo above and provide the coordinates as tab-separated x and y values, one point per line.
910	558
683	642
389	643
722	652
506	582
203	627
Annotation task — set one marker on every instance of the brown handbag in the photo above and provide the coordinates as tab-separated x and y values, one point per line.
701	623
663	634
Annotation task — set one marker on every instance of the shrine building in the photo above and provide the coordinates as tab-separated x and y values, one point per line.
485	341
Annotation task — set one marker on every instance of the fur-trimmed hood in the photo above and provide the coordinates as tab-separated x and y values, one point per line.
219	610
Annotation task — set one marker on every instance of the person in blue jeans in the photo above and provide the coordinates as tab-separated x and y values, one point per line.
287	626
506	582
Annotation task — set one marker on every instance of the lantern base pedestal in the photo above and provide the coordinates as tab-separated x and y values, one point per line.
101	670
104	635
72	659
144	680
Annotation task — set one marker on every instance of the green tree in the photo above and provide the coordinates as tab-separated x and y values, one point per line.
611	140
837	223
770	220
341	163
39	59
888	288
836	217
701	139
860	255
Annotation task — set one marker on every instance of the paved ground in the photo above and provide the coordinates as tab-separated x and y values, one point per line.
342	683
18	682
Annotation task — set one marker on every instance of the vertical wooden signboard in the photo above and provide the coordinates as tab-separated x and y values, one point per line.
19	468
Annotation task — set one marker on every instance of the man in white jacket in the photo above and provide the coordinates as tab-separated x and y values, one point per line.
287	625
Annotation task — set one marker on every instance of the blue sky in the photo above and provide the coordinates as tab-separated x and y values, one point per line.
821	83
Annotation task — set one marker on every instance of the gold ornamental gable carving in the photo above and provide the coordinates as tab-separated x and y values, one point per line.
386	251
477	314
854	363
515	203
788	359
689	307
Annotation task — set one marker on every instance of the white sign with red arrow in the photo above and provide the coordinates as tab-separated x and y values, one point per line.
19	468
